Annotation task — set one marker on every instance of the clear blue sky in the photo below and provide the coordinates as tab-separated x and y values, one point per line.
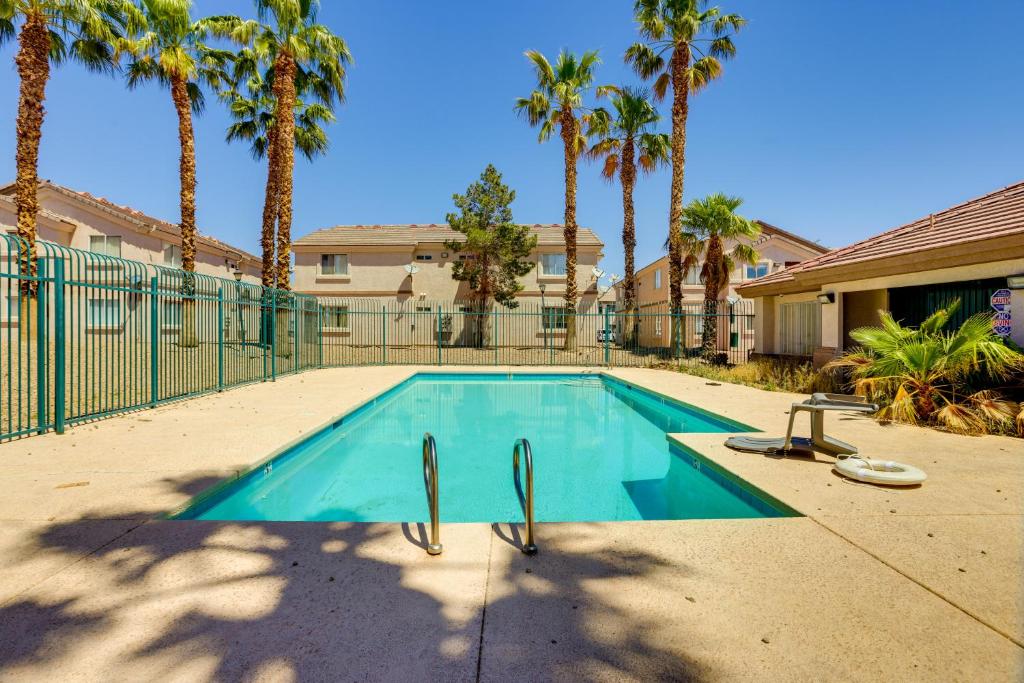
836	120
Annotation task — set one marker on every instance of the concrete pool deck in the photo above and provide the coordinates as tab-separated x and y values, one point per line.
918	584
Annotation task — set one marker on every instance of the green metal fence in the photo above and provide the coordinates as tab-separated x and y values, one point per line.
92	335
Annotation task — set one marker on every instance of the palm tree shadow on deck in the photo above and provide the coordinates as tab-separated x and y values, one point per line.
206	600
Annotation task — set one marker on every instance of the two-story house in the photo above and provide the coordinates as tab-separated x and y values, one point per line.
407	269
777	249
104	229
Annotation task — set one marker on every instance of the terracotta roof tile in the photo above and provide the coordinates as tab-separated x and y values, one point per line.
997	214
413	234
138	217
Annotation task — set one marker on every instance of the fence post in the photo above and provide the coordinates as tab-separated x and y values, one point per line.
384	331
439	334
607	333
273	335
220	339
42	348
154	343
494	334
320	333
58	340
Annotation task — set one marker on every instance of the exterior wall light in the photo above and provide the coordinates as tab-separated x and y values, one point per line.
827	298
1015	281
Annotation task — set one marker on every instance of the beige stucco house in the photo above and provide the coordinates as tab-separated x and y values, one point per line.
407	270
777	249
82	221
972	252
100	296
373	261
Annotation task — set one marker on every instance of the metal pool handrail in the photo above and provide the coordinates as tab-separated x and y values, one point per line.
525	500
430	482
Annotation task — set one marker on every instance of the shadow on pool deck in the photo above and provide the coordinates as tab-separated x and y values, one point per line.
202	600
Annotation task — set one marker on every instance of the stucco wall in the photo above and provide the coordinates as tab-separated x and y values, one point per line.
871	290
380	272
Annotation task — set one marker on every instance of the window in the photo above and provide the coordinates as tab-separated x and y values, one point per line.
172	255
334	264
170	313
467	257
698	326
755	271
424	309
552	264
104	313
424	257
336	316
657	279
108	245
799	328
555	317
12	308
693	276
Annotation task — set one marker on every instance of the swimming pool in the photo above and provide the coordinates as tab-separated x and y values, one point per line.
599	449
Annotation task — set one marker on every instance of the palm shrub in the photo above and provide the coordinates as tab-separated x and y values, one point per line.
928	375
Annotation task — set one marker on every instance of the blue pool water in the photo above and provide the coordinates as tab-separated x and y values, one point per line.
599	450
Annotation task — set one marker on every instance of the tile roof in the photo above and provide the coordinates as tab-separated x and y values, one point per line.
135	216
413	234
995	215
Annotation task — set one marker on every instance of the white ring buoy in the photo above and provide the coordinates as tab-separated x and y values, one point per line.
879	471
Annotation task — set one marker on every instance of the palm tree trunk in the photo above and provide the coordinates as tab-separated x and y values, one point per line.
627	174
568	125
270	201
284	117
680	109
187	174
284	90
33	61
712	286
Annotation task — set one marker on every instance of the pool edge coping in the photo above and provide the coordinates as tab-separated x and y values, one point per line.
212	491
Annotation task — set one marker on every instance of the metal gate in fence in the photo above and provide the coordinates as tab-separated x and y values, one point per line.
91	335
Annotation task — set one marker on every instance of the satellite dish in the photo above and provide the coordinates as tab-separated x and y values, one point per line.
614	278
598	273
412	268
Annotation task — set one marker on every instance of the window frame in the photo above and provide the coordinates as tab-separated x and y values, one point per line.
92	324
342	312
106	245
333	272
554	314
169	255
543	266
756	267
657	278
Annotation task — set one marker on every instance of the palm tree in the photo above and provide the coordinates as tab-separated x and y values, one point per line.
295	42
253	108
557	101
924	374
707	225
172	50
46	25
620	138
686	42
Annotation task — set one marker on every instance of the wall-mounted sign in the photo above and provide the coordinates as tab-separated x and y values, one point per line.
1002	323
1001	300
